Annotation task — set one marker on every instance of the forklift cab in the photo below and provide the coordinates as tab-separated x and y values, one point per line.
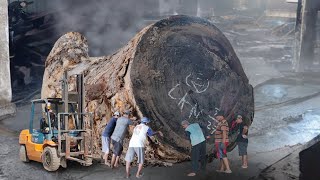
48	129
47	120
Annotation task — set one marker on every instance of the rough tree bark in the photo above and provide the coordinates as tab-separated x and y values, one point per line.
178	68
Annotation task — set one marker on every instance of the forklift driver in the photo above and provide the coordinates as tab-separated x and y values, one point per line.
44	121
53	118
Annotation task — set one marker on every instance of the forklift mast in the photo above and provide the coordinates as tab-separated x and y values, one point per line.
77	95
82	133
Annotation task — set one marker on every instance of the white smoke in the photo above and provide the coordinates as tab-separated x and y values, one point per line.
108	25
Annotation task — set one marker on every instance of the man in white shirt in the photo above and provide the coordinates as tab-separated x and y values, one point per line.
136	145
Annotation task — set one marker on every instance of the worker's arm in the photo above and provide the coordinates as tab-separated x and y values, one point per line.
188	135
245	131
150	132
224	133
133	121
205	132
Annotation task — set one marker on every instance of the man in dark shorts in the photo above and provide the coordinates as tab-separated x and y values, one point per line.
118	135
106	134
242	141
221	143
197	136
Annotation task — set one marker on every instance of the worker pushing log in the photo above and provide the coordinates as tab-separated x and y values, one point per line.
175	69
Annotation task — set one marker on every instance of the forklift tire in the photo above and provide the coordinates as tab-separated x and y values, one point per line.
50	159
23	154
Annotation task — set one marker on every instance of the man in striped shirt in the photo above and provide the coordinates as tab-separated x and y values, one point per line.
221	143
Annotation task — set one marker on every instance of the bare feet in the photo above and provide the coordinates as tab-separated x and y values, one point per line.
191	174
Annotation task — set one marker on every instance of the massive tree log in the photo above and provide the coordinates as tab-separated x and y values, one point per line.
178	68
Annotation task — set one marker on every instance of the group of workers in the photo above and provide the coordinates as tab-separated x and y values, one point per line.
198	136
114	133
117	126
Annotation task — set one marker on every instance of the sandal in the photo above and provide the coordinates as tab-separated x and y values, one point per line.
128	177
191	174
140	175
107	164
228	171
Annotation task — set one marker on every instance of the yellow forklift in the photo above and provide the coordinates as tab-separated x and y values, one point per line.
65	132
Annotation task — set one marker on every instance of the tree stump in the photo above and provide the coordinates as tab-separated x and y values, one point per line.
177	68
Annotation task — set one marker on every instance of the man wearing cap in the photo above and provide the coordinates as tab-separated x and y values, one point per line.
137	143
106	134
44	122
221	142
118	135
196	134
242	141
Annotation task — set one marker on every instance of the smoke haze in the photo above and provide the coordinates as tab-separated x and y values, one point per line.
108	25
